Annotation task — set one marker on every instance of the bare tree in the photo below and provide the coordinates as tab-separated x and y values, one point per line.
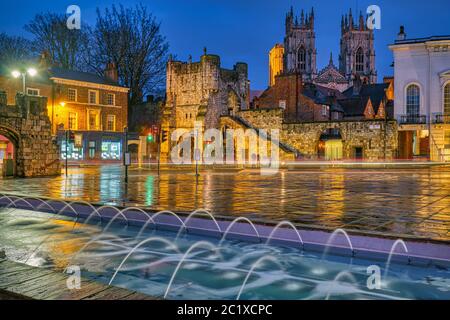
62	44
14	50
131	39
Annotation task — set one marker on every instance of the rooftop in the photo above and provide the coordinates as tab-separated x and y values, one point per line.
422	40
57	72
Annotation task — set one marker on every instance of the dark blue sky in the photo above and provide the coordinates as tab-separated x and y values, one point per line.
245	30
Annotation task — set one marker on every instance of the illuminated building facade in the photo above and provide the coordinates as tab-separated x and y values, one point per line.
276	65
422	96
94	108
356	58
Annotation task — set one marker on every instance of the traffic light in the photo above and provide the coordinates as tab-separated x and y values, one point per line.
164	136
71	137
150	137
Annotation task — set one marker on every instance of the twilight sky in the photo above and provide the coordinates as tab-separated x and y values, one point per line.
245	30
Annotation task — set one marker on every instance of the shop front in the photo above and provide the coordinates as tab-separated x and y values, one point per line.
92	147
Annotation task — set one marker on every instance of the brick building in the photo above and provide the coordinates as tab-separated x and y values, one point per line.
94	108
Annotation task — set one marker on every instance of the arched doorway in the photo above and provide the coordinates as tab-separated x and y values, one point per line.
8	153
330	145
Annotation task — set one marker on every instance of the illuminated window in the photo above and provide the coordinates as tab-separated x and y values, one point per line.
73	153
32	92
73	121
324	111
71	94
110	150
93	120
93	97
447	99
302	59
110	99
111	122
359	60
413	100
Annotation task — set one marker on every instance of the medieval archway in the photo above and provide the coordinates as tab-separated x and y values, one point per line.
330	145
9	144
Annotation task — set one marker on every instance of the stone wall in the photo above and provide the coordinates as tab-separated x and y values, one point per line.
264	118
375	137
28	127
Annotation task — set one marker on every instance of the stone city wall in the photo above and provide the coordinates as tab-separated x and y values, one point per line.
28	127
377	138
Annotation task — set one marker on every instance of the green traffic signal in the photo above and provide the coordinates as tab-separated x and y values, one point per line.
150	138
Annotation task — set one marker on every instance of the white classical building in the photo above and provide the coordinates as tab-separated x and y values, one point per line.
422	96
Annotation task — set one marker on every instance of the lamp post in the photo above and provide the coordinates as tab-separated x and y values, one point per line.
31	72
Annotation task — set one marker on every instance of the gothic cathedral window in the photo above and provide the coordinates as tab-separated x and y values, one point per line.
302	59
359	60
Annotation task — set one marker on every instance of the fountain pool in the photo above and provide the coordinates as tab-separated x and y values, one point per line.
179	265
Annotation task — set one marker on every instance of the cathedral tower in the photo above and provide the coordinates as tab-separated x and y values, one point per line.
276	66
300	45
357	50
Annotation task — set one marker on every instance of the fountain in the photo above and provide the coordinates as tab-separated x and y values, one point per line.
233	223
254	266
194	213
70	205
194	246
170	245
333	236
145	226
336	279
391	253
283	223
298	271
168	212
20	200
94	240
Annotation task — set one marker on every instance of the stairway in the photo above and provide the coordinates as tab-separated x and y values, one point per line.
283	146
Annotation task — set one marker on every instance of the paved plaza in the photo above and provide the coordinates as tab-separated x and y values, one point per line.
400	202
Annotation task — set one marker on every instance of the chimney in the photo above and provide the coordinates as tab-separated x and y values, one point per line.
45	61
111	72
401	35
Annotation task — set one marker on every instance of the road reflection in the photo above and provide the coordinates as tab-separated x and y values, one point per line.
403	202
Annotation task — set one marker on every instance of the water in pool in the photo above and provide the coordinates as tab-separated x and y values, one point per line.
194	267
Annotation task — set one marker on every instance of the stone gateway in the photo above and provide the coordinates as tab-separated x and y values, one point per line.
27	126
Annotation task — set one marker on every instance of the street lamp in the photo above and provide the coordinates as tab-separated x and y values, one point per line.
31	72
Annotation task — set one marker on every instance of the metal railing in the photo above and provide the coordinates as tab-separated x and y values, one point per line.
441	118
413	119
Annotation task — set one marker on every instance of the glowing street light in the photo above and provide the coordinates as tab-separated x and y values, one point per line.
16	74
30	71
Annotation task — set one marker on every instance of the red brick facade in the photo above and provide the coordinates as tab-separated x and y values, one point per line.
286	93
59	105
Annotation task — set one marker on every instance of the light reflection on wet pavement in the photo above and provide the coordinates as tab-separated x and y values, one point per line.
402	202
